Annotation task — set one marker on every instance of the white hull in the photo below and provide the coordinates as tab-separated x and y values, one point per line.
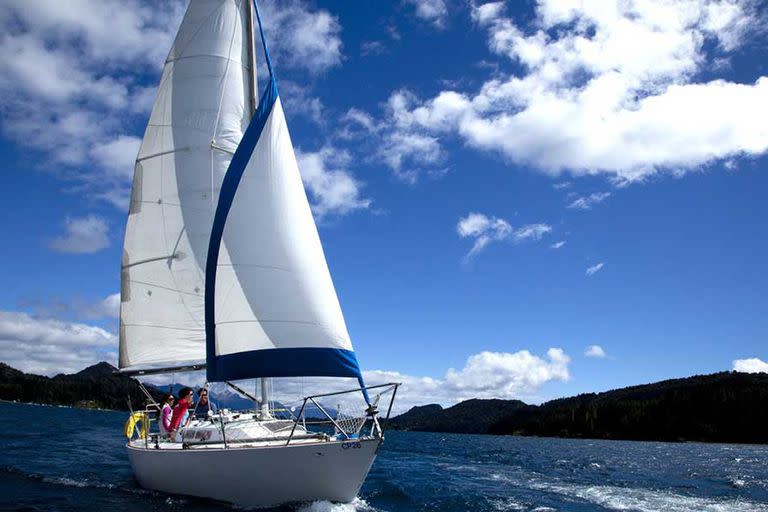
258	476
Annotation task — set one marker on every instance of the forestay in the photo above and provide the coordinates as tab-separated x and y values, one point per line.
271	308
196	123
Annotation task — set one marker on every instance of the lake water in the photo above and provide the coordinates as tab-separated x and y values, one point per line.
67	459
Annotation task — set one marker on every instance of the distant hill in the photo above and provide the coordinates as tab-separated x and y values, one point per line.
97	386
722	407
474	416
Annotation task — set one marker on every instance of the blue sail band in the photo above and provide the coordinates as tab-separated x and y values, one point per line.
287	362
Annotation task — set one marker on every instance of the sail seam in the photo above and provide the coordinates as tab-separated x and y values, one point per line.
244	66
163	327
260	321
233	264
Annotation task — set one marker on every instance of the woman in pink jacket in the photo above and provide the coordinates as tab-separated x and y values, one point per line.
165	415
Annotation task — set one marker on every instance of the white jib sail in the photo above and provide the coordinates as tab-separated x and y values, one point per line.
273	286
197	121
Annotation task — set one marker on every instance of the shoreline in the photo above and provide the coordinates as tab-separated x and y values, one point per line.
61	406
586	439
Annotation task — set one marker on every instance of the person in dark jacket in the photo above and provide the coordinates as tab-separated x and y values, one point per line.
204	405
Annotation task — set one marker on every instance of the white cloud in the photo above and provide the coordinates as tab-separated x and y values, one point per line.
49	347
531	232
587	202
71	84
751	365
109	307
595	351
594	268
484	230
558	245
74	87
487	13
333	190
118	155
372	48
432	11
300	37
606	88
82	235
302	102
517	375
406	153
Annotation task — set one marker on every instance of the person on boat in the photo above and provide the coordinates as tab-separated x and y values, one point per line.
165	415
204	407
186	397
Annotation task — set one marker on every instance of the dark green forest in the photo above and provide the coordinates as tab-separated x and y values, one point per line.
97	386
722	407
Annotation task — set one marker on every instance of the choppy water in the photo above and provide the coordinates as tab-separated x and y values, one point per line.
67	459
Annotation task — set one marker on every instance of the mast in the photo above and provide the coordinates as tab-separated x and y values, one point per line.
250	19
253	100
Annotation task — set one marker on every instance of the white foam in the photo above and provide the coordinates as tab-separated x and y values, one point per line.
502	505
70	482
356	505
647	500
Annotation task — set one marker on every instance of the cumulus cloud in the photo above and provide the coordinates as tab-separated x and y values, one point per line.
518	375
82	235
48	346
71	85
611	88
432	11
109	307
594	269
117	155
587	202
301	37
595	351
558	245
333	189
751	365
484	230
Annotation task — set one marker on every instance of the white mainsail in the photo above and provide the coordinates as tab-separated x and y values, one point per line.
197	121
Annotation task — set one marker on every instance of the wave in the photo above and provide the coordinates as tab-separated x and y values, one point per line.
68	482
634	498
647	500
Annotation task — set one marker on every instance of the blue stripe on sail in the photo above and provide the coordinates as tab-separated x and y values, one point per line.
286	362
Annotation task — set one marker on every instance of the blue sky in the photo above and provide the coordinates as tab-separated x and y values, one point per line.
467	163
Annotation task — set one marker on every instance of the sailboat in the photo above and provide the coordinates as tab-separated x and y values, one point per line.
223	271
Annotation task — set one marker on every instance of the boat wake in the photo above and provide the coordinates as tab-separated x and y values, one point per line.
357	505
636	499
647	500
11	471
